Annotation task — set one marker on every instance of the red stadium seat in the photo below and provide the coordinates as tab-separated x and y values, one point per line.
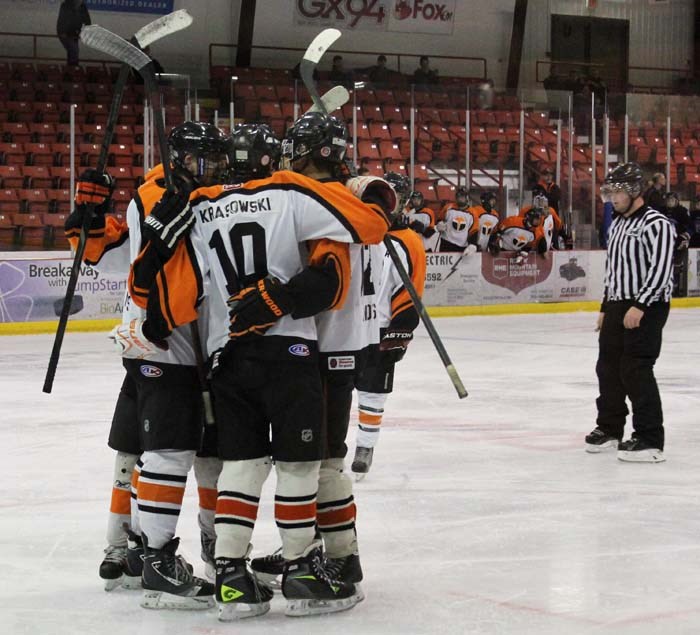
368	150
390	150
8	231
120	155
57	236
32	229
9	202
39	153
37	177
34	201
60	200
60	176
12	154
11	177
42	132
16	132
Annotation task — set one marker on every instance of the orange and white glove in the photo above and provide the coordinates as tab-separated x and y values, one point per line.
130	341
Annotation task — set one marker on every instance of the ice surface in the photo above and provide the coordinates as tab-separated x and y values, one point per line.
479	516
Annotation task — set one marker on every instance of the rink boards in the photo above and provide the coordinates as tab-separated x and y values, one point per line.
32	287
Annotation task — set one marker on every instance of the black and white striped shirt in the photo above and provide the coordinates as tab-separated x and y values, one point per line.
639	266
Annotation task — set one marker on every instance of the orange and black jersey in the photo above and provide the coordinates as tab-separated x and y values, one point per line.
558	225
267	227
513	235
395	307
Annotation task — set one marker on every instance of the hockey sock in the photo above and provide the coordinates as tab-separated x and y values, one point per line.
160	491
120	505
135	523
336	510
206	471
371	410
295	505
240	485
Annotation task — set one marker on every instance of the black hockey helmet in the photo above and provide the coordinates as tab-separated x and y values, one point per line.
626	177
402	186
538	190
488	198
463	194
206	144
253	151
533	217
671	196
417	196
316	135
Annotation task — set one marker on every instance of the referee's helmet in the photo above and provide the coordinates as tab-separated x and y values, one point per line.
626	177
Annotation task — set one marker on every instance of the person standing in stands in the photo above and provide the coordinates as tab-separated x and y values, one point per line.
654	196
424	74
551	189
72	15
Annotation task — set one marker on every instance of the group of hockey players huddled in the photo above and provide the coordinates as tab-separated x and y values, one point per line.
282	277
463	227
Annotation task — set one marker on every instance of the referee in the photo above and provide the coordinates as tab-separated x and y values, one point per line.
638	287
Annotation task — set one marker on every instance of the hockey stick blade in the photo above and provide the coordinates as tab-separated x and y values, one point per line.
105	41
319	45
162	27
332	99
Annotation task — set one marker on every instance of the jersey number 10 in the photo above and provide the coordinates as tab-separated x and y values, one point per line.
237	281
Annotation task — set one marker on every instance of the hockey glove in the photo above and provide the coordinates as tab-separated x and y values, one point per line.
417	226
255	309
372	189
441	226
96	188
469	250
394	344
683	241
170	220
130	341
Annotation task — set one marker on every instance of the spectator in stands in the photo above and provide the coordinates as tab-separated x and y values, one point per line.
72	15
551	189
695	222
654	196
338	74
424	74
379	74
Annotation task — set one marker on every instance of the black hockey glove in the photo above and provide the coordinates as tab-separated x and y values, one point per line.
255	309
170	220
417	226
92	187
394	343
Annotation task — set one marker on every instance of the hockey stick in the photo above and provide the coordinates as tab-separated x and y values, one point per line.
427	322
317	48
110	43
319	45
332	99
148	34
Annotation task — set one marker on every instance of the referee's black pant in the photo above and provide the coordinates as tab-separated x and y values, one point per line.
625	368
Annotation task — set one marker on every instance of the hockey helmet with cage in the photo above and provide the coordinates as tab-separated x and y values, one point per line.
401	185
416	199
462	194
207	147
626	178
254	151
672	199
488	199
540	202
318	136
533	218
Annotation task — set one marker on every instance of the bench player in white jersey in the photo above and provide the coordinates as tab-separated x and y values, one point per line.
488	218
458	226
421	219
253	243
398	319
111	247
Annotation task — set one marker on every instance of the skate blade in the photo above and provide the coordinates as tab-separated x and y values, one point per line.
210	571
112	583
643	456
234	611
159	600
359	593
597	449
131	582
300	608
360	476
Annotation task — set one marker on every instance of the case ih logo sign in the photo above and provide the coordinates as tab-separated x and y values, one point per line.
406	16
507	271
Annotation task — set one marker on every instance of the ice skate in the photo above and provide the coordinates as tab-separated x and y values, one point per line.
348	570
636	450
168	582
112	567
598	441
269	569
310	590
134	562
239	593
362	462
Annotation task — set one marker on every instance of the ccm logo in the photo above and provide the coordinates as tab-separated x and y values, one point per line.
300	350
151	371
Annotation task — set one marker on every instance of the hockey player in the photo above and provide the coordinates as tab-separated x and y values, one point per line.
459	226
488	218
163	397
552	226
252	243
680	217
254	152
421	219
520	234
398	319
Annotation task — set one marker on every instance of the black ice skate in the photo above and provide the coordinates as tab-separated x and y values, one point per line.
168	582
269	569
239	593
208	545
348	570
636	450
112	567
597	441
134	561
362	461
309	589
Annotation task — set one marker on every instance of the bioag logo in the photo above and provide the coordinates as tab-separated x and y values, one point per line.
418	9
349	11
